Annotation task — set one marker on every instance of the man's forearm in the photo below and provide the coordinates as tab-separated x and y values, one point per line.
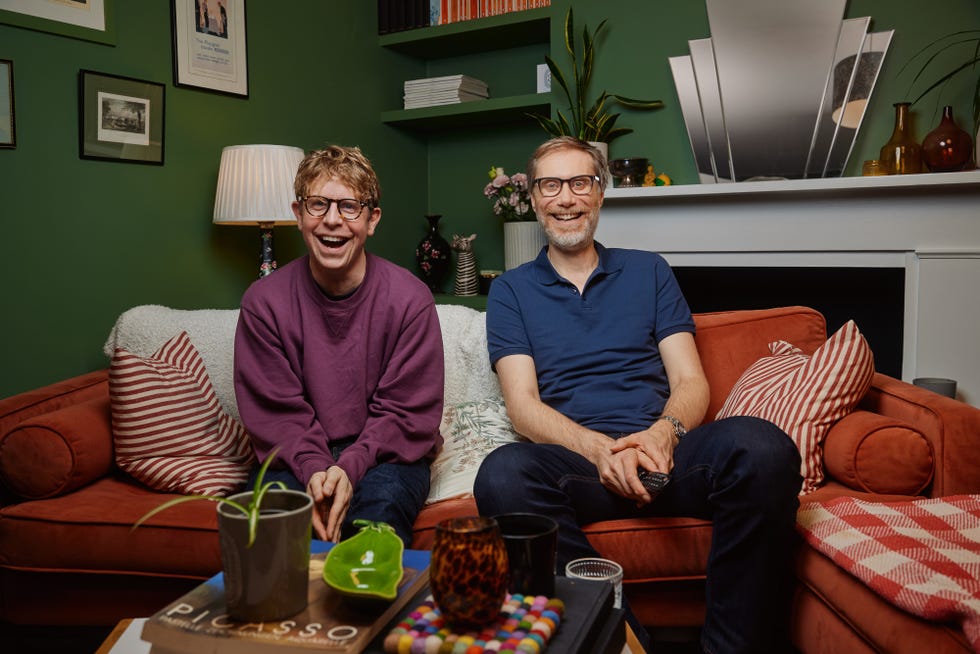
538	422
688	402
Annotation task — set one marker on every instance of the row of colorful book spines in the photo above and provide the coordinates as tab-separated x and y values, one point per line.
399	15
443	12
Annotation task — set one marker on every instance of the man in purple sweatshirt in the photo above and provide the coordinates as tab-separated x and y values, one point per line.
339	362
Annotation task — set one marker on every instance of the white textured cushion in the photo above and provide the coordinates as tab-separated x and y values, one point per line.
470	431
143	329
168	429
805	395
469	377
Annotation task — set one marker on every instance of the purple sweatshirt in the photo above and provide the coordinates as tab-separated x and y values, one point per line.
310	371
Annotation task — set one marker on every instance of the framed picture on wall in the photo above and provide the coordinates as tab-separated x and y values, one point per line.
81	19
8	133
120	118
209	45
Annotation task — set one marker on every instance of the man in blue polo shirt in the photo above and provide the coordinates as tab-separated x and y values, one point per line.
594	349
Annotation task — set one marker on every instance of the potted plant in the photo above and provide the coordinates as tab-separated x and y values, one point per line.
589	122
265	536
965	42
511	199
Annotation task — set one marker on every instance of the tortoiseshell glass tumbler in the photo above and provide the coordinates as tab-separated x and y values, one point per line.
468	571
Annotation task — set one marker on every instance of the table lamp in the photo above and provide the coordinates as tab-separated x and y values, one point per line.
255	187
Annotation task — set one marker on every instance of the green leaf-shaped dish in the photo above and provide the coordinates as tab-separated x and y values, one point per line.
368	564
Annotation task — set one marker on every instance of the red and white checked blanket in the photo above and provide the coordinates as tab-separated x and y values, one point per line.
922	556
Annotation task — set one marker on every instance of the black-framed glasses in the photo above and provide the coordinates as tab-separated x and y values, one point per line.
549	187
318	206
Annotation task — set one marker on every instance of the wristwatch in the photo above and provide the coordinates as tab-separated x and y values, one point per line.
679	429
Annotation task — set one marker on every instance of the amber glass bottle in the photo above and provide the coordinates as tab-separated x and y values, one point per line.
902	154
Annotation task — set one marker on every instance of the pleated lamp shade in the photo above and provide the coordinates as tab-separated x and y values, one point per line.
255	185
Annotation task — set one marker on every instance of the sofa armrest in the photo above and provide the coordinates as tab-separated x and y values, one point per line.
57	452
950	426
18	408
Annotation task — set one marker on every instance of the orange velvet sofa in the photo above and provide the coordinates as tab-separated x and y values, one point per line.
68	555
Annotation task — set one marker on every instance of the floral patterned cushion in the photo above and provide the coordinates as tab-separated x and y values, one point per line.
470	431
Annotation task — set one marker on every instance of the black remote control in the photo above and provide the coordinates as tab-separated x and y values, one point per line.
654	482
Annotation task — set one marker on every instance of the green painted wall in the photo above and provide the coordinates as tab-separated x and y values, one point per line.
85	240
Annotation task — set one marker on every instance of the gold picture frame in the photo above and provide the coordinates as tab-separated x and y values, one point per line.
90	20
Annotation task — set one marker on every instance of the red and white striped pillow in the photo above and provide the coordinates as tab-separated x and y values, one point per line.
805	395
168	428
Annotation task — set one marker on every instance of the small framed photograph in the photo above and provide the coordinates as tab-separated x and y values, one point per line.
91	20
121	118
209	45
8	133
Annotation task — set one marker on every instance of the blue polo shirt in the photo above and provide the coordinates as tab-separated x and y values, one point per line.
595	353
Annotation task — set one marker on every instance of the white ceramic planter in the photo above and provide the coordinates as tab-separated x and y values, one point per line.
604	149
522	243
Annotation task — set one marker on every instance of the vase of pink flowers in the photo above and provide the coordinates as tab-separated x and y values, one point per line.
511	200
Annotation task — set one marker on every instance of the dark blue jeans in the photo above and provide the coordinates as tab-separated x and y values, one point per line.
389	492
741	473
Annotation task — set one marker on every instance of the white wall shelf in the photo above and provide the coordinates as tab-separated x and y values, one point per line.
835	185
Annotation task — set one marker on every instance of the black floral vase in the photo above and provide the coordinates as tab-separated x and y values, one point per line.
432	256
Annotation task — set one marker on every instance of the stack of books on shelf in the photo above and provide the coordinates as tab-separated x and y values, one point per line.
449	89
399	15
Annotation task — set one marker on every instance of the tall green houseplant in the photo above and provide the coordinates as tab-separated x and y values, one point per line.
967	44
593	122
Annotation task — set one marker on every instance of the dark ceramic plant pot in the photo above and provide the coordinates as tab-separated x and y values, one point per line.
270	579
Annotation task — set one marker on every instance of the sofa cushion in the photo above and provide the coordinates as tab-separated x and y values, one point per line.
470	431
143	329
168	429
48	455
469	377
805	395
876	454
91	531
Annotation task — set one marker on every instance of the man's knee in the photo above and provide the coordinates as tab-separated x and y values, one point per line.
500	477
502	463
761	437
767	450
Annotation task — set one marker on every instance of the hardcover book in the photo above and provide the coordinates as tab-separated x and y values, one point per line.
331	622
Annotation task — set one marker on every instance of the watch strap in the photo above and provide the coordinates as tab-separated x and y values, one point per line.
679	429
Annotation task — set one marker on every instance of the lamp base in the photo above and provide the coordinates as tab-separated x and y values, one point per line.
267	258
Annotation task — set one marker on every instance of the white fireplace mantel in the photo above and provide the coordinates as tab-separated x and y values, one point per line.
927	224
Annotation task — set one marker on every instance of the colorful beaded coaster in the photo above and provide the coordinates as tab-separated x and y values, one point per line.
524	626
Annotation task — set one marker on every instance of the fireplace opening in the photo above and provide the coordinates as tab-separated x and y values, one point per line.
873	297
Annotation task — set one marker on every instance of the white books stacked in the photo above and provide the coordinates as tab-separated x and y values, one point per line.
449	89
